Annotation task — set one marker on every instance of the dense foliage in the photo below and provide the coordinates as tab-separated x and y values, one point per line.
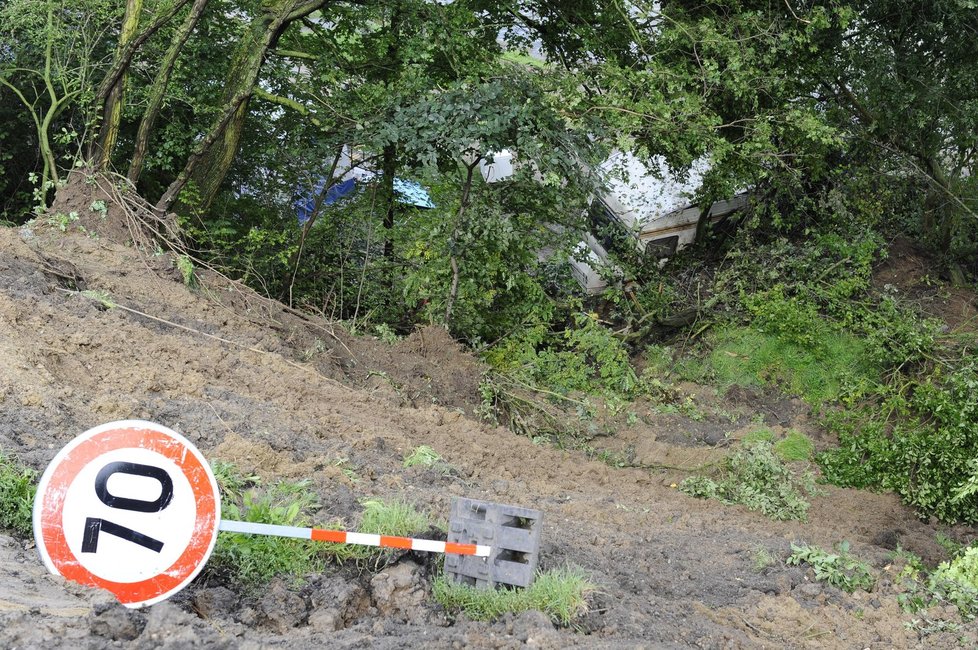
850	123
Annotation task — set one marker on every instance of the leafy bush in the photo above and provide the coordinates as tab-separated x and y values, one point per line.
897	337
793	320
18	485
956	581
561	594
586	358
839	569
757	478
919	441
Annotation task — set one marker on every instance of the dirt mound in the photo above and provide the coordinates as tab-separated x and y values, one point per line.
92	331
427	367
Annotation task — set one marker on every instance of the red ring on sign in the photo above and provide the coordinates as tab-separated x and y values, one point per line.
201	541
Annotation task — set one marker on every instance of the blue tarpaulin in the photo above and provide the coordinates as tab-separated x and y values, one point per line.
408	192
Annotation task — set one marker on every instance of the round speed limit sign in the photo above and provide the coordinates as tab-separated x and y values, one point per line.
131	507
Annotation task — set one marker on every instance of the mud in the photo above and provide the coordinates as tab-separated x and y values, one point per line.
290	396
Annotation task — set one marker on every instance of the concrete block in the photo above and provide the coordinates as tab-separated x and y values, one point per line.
513	532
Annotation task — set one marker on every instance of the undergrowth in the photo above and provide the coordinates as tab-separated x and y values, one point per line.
561	594
554	385
253	560
756	477
956	581
18	485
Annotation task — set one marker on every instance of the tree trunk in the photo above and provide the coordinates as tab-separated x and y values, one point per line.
452	255
389	74
703	223
317	207
211	161
112	104
388	200
158	89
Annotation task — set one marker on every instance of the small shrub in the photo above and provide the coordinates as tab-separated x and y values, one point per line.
18	485
793	320
386	333
561	594
63	221
757	478
839	569
956	581
186	267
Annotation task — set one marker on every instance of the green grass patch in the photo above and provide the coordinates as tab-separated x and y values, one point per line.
253	560
756	477
561	594
759	435
18	485
795	446
820	372
840	569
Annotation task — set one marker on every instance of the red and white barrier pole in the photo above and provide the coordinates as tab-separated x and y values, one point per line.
359	539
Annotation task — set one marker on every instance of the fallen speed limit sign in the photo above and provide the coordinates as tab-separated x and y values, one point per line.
131	507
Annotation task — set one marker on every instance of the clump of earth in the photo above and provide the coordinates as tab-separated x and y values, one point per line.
288	396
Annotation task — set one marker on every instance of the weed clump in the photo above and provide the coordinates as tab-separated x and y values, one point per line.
840	569
423	456
18	485
561	594
756	477
253	560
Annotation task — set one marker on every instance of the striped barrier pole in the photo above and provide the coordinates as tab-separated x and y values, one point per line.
360	539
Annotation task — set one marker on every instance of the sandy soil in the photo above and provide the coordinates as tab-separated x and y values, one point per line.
287	396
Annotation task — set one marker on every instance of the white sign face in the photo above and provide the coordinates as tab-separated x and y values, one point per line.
131	507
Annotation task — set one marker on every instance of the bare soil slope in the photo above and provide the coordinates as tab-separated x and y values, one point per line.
288	396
